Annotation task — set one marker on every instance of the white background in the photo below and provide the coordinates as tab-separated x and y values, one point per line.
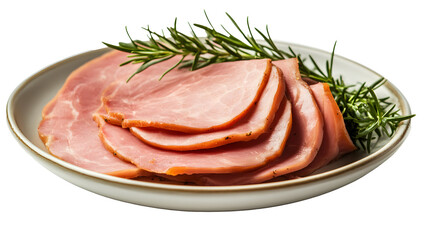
390	37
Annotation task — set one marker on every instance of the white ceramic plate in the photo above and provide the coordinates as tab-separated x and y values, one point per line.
24	114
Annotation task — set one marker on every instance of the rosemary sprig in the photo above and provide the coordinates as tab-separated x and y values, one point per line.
367	117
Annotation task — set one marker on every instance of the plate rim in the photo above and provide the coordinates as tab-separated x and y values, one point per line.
391	146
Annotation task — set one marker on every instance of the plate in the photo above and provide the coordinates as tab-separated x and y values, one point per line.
28	99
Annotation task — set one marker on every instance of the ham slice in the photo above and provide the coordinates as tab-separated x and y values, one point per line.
248	128
336	140
301	147
182	101
229	158
67	128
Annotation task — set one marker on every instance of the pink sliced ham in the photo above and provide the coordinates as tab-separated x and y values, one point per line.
234	117
208	99
248	128
229	158
336	140
301	147
67	128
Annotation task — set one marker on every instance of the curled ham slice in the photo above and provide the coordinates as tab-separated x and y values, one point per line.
336	140
248	128
67	128
182	101
229	158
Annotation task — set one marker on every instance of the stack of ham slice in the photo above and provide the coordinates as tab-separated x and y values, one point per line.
229	123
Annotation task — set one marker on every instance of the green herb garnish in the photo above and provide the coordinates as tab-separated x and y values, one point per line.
367	117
